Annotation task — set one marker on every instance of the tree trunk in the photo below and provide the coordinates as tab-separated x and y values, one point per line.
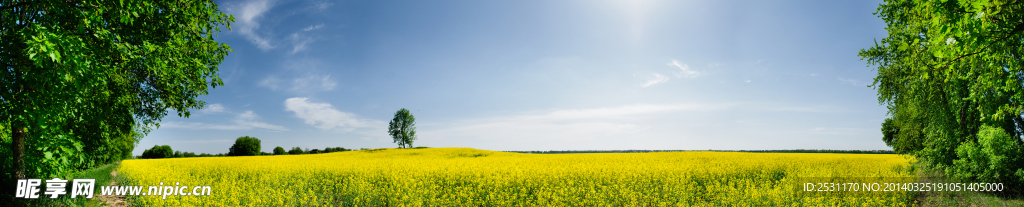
18	150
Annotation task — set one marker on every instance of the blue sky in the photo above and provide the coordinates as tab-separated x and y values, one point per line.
542	75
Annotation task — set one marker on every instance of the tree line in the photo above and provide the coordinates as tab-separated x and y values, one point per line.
244	146
951	74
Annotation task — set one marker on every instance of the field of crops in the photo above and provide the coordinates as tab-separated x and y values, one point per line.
470	177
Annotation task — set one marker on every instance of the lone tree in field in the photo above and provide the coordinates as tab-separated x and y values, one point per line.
952	75
245	146
403	128
83	81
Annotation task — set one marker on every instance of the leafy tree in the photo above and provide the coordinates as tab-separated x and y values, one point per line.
296	151
279	151
157	152
86	80
952	75
245	146
403	128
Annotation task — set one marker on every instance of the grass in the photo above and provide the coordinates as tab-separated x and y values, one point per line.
968	198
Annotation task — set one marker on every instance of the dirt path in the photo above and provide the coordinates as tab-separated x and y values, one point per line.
111	200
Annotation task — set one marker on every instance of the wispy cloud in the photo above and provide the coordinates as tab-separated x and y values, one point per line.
213	108
684	70
299	42
249	119
271	82
324	116
313	27
658	78
323	5
300	39
247	19
321	83
244	121
851	82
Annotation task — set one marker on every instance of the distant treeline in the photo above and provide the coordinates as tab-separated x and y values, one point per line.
165	151
762	151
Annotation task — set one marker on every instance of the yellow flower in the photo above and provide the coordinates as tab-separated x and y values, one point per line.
470	177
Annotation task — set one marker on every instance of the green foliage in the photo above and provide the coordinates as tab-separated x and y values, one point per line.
403	128
946	69
83	81
245	146
161	151
995	158
279	151
296	151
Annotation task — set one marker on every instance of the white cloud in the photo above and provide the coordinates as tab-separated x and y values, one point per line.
313	27
658	78
320	6
247	15
244	121
213	108
684	70
324	116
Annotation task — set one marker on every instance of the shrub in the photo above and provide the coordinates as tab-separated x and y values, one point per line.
245	146
994	158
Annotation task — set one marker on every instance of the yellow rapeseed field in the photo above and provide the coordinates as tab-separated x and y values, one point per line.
471	177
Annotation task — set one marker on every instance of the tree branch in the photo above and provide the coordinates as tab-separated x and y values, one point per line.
1017	29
